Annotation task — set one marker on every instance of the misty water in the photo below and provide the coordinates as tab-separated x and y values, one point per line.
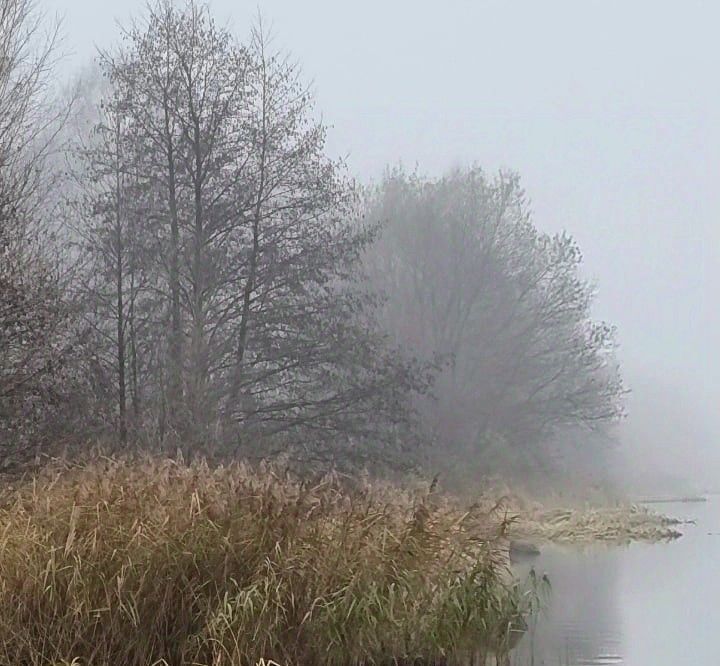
636	605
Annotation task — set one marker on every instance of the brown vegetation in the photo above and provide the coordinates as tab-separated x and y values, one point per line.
157	561
614	524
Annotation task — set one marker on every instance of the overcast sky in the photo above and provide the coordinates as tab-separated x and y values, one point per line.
609	110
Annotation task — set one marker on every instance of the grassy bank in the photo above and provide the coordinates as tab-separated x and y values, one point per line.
156	562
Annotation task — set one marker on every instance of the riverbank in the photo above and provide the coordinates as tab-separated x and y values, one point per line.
558	521
692	499
603	597
620	524
233	564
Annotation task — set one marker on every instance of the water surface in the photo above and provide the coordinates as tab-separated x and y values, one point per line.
636	605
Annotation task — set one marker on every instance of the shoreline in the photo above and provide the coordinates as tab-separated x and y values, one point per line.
673	500
533	524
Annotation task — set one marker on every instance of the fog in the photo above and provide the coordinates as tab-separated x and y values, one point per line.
608	110
422	286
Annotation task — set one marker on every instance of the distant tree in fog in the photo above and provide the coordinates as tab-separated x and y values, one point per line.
472	281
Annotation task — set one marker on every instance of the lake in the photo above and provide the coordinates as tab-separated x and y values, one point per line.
635	605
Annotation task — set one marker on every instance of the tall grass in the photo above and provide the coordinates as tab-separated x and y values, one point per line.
158	562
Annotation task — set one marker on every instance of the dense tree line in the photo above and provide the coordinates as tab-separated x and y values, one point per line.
226	286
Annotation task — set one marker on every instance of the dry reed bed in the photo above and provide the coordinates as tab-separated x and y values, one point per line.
611	524
157	562
563	520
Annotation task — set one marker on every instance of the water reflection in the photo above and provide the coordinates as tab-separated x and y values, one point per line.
582	624
638	605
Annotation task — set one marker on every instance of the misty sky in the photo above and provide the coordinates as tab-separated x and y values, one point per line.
610	112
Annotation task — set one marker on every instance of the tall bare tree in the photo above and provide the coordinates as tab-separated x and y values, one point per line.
248	241
108	221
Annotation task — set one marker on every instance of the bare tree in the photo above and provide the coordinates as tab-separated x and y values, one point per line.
108	221
175	82
35	322
309	357
471	280
248	249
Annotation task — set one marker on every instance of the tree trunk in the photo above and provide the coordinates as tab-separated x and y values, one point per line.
199	401
120	305
254	256
175	371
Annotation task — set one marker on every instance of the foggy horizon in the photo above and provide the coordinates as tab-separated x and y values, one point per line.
351	334
606	110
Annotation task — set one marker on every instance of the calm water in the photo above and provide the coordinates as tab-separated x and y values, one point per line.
637	605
